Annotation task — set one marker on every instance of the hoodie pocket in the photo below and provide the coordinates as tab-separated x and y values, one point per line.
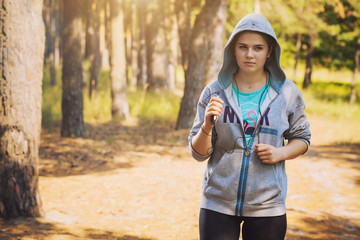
263	186
223	178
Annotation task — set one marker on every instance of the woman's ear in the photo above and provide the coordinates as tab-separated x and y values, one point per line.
270	52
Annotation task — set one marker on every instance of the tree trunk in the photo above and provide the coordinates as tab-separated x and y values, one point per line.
142	77
46	18
88	18
60	30
120	106
90	40
128	38
172	40
355	72
57	20
215	44
94	56
104	51
198	54
182	10
297	53
51	42
308	69
72	70
85	19
257	7
22	42
156	46
134	45
50	25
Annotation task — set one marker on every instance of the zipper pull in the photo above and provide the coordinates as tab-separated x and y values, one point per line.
247	151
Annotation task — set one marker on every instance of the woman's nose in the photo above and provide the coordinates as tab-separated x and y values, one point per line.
249	53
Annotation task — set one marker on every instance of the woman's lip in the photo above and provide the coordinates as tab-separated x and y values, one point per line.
249	63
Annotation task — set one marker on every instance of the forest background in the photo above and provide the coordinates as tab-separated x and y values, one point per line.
168	43
128	74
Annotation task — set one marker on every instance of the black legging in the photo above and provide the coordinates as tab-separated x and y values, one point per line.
218	226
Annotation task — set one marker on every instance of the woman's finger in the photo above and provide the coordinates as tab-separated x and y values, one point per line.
217	99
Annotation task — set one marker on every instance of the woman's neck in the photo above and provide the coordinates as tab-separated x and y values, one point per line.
246	82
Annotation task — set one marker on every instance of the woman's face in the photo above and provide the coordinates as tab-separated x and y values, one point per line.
251	52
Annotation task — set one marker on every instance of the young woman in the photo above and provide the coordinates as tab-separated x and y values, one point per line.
242	122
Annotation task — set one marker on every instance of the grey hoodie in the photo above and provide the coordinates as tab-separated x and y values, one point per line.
236	183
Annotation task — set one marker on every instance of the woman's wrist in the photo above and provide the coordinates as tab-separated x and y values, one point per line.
206	129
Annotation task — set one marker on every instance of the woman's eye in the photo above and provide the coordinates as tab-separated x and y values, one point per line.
242	47
259	48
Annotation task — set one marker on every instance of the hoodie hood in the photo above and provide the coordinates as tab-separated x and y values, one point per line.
258	23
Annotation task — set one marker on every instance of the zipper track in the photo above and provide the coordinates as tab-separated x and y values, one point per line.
243	178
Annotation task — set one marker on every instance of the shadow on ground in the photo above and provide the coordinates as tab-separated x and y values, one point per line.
325	227
28	228
107	147
342	154
349	152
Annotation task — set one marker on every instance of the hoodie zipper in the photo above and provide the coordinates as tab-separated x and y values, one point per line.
245	168
243	177
245	162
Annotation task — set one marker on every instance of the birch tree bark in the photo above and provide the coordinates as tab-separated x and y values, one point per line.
134	44
120	106
104	52
172	39
156	50
142	74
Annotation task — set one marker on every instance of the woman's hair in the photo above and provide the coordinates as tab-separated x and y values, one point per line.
269	40
272	46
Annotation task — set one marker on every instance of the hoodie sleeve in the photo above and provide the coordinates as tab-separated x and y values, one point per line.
199	119
299	127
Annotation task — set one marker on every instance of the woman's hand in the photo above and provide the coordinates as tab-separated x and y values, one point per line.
201	142
268	154
214	108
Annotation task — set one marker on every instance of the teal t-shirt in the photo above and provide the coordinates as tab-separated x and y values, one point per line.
250	104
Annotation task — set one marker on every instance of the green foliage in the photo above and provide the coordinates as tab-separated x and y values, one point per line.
149	107
98	107
287	52
51	98
331	99
336	43
322	98
328	95
236	10
154	108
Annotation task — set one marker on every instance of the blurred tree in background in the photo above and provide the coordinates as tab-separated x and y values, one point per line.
200	45
72	69
119	106
340	46
162	38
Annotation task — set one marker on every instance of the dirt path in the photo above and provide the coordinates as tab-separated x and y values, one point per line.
126	182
